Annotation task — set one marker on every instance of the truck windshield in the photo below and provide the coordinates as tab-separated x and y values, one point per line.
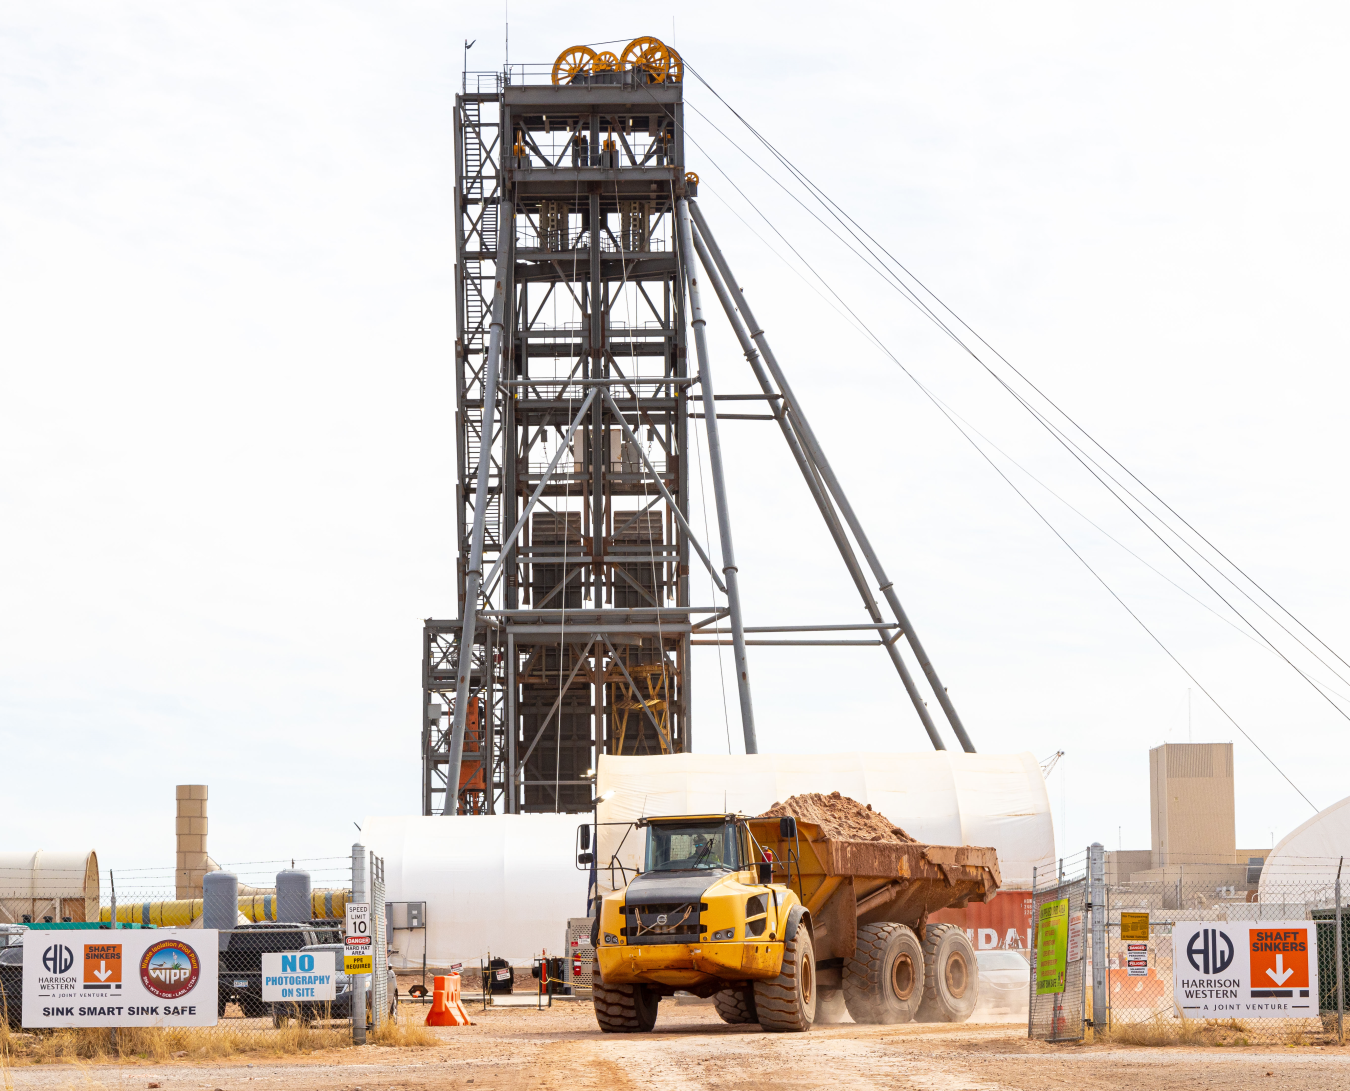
672	847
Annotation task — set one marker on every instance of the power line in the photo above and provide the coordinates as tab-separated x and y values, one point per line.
1076	451
983	454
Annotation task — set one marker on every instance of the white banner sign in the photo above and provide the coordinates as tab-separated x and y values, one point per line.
299	977
161	977
1245	969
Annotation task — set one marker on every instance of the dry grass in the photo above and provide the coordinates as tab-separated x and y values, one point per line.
406	1029
95	1045
1162	1030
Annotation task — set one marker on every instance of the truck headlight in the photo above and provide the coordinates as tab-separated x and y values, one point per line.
610	937
725	933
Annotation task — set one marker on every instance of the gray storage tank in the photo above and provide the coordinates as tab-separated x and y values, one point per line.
293	896
220	903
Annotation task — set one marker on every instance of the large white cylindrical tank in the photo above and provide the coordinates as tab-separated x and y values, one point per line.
504	884
49	884
1306	860
939	797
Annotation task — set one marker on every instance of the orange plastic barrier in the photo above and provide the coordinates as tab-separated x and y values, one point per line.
447	1010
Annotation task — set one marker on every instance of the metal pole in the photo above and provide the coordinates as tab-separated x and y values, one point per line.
821	498
505	237
1031	955
1097	874
719	485
360	895
813	448
1340	962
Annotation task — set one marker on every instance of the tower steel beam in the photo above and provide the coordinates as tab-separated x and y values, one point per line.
729	573
822	464
813	483
505	237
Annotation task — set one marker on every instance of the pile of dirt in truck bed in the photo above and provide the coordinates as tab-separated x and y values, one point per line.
840	817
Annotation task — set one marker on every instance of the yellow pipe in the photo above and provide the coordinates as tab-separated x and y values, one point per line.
324	905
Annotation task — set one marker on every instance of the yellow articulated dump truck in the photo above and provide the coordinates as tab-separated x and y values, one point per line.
778	922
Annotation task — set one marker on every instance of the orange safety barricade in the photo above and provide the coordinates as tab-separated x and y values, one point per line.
447	1010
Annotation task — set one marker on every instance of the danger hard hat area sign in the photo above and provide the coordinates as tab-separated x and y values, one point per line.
1242	970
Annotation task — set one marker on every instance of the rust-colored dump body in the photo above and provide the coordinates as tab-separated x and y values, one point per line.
847	883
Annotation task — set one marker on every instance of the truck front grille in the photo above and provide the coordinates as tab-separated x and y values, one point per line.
669	922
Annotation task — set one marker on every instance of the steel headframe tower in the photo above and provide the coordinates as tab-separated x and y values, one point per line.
578	248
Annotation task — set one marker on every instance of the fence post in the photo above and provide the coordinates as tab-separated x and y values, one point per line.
360	894
1340	962
1031	957
1097	897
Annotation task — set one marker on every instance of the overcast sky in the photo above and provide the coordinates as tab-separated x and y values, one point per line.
226	411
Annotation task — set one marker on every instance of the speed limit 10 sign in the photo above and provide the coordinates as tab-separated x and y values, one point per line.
358	927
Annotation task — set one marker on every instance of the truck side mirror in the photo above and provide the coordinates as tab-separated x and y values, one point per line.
585	832
787	828
586	858
765	868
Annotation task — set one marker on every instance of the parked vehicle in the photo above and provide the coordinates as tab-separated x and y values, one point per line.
11	984
241	960
1005	980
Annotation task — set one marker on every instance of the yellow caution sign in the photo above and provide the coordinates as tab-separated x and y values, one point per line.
358	964
1134	926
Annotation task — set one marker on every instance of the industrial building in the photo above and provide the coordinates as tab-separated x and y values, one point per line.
1193	822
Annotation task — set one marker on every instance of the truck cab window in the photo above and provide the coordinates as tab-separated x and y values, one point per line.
679	847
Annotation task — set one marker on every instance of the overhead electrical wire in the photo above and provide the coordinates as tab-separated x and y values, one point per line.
864	238
862	326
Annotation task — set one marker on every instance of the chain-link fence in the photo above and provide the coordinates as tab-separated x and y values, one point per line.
68	908
1189	959
1059	951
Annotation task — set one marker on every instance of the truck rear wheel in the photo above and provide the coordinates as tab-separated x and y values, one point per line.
883	981
788	1001
624	1009
736	1005
951	984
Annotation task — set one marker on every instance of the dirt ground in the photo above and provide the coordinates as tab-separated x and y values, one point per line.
513	1049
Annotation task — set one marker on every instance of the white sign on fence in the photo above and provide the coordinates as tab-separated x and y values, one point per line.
1075	953
163	977
1245	970
1136	959
299	976
358	928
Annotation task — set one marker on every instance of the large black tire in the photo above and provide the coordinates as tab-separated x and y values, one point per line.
736	1005
624	1009
883	981
951	982
788	1001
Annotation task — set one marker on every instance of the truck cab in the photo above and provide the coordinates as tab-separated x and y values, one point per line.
706	916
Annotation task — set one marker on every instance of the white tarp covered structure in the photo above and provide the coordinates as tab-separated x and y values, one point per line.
1308	857
938	796
503	883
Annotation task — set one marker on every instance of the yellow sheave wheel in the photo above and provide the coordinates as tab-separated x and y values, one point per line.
675	73
606	62
650	54
574	61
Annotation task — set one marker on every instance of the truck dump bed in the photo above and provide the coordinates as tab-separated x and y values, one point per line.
847	883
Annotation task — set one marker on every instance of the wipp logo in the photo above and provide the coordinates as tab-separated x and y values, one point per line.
1210	951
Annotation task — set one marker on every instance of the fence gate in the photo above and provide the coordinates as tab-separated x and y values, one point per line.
1059	952
380	978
